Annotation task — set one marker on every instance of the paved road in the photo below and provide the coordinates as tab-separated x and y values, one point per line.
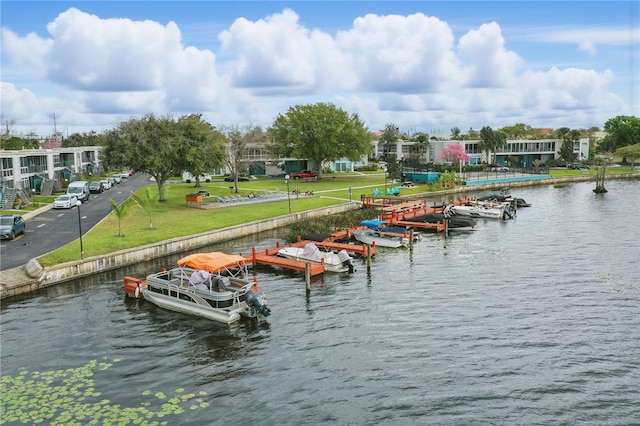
55	228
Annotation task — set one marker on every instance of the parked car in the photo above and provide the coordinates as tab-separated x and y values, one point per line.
125	175
499	169
575	166
117	178
229	178
11	225
106	184
303	174
96	187
65	201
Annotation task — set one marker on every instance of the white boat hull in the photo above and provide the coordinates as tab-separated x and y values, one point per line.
177	305
210	285
330	260
380	239
480	212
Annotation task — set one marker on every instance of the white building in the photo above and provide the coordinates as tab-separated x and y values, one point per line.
29	168
518	152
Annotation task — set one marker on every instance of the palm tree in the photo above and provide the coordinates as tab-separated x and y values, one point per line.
120	211
146	202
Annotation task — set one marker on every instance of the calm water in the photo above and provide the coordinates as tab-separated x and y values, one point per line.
530	321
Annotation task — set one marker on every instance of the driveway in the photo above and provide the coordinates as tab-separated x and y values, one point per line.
53	229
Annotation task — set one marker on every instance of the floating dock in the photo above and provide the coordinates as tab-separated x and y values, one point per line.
270	256
398	211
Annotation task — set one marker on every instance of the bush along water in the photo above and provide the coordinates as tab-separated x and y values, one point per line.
327	224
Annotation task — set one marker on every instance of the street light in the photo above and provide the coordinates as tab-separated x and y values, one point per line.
286	179
78	204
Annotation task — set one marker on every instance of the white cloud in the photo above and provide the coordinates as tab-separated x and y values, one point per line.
407	70
403	54
490	64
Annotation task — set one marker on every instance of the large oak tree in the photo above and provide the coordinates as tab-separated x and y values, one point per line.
621	131
320	132
161	146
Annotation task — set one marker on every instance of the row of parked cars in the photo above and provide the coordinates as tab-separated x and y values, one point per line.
80	190
13	225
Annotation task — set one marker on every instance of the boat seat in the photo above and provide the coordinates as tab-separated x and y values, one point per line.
224	284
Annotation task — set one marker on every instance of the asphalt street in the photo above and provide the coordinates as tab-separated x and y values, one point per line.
55	228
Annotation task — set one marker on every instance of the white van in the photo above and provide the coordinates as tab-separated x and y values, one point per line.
80	189
188	177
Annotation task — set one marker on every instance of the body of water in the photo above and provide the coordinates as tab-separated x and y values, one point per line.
531	321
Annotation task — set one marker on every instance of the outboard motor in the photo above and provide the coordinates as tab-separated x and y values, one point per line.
257	304
345	259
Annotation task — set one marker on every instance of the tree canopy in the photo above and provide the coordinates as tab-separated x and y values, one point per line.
239	140
569	138
454	153
621	131
16	143
161	146
491	141
320	132
204	145
630	152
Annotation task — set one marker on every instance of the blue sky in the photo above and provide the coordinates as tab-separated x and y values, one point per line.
424	66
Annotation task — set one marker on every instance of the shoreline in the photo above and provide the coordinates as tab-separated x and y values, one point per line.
32	276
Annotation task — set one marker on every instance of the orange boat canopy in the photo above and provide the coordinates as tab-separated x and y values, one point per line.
212	261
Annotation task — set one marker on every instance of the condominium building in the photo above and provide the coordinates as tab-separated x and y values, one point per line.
29	168
517	152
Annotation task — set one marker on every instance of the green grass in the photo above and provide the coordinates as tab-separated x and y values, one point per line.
173	219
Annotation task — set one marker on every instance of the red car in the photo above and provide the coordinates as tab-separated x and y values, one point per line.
304	174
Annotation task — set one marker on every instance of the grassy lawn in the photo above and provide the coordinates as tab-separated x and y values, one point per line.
173	218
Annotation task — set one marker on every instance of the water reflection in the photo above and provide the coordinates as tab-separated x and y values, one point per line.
535	318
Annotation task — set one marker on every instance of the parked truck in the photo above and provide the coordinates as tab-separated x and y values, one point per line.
80	189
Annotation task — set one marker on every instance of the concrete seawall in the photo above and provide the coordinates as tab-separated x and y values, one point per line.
33	277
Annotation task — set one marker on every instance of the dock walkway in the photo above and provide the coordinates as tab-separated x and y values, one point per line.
270	256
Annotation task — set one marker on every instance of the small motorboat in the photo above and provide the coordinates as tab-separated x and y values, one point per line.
211	285
455	223
484	210
333	262
505	196
383	226
380	239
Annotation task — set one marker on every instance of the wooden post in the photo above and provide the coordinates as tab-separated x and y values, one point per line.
411	239
446	228
307	276
368	258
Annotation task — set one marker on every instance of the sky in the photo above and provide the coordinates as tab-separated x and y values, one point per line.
424	66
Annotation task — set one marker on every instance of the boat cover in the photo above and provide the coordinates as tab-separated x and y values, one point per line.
373	223
199	277
343	256
212	261
311	252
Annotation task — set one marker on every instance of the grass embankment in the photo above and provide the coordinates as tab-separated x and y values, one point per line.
173	218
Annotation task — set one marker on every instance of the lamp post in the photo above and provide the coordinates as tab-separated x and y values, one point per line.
286	179
78	204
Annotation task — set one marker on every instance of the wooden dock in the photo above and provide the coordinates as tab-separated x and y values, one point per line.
270	256
397	211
